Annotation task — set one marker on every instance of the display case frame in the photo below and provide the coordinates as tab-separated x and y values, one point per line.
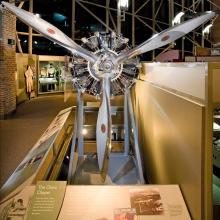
51	74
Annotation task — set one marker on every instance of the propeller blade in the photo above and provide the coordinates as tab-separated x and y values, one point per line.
165	37
103	127
49	31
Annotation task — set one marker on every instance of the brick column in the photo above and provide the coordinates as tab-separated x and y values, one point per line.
7	64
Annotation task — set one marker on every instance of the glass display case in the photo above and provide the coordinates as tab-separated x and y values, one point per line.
51	74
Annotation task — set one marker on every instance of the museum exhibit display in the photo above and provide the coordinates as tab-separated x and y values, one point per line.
106	67
106	63
51	74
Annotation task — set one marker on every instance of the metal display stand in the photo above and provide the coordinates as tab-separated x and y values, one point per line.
125	165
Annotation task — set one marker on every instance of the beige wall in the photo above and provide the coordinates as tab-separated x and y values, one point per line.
174	109
174	117
171	137
186	79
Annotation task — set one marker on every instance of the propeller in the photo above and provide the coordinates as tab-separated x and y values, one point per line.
106	66
165	37
50	31
103	127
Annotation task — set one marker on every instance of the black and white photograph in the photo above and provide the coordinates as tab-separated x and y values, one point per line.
15	210
146	201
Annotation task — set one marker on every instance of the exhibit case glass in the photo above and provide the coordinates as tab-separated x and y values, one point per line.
51	74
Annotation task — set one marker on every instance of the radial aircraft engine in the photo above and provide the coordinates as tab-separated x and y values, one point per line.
109	66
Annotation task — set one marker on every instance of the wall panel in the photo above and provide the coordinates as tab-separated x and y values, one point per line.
171	133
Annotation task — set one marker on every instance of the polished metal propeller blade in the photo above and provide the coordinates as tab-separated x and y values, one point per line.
49	31
103	127
165	37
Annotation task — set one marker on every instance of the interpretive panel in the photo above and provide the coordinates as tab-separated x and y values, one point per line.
47	200
27	169
148	202
145	202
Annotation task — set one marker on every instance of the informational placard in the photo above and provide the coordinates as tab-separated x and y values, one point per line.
145	202
137	202
47	200
27	169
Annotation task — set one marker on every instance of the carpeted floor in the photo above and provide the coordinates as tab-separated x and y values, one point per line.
21	131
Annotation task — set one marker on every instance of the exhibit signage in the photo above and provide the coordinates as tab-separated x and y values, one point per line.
47	200
137	202
28	168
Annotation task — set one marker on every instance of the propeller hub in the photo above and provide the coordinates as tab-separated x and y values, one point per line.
106	47
107	66
104	65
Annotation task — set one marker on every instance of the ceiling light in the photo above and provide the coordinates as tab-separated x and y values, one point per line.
123	4
206	30
216	126
177	18
84	131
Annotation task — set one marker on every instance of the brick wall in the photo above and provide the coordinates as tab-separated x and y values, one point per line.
7	64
